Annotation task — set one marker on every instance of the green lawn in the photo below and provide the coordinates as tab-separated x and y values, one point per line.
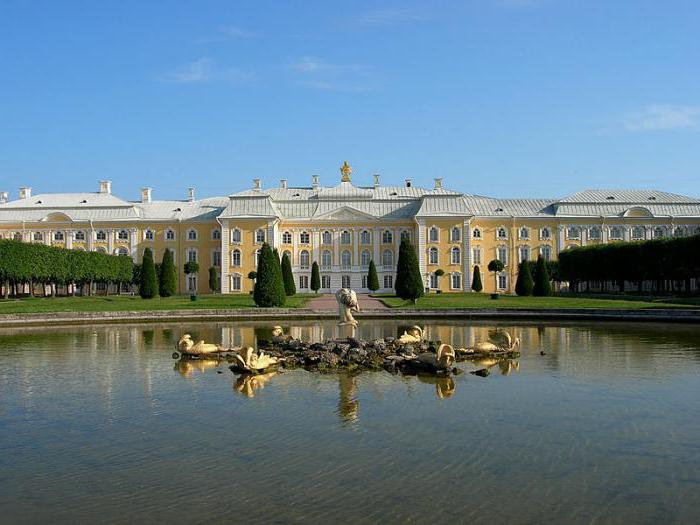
480	300
129	303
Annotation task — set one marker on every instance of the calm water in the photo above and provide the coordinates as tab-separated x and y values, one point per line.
101	424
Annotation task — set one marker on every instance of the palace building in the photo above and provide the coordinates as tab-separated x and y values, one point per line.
345	226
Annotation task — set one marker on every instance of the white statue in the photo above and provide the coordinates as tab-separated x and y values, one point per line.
187	346
443	359
347	303
414	335
248	360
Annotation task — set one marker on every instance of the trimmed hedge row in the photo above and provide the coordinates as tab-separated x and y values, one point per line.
22	263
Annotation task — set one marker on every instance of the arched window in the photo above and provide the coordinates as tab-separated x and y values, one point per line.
236	282
304	238
502	233
148	235
387	237
288	254
345	260
456	255
524	253
638	233
573	232
456	234
476	233
191	235
345	237
260	235
365	237
80	235
524	233
216	234
365	258
327	238
122	251
433	234
304	259
546	253
326	259
433	256
123	235
679	231
456	281
405	235
58	236
545	233
502	254
169	235
191	255
101	249
38	236
388	259
236	257
659	232
286	238
236	235
615	233
594	233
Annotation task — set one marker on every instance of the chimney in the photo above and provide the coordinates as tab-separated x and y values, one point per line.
256	184
438	183
283	184
25	193
376	180
106	186
314	182
3	197
409	183
190	194
146	194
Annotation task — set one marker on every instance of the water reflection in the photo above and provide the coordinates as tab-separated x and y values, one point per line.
444	386
185	366
348	404
248	384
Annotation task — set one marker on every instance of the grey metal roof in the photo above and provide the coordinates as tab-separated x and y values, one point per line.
618	210
628	197
68	200
204	209
490	207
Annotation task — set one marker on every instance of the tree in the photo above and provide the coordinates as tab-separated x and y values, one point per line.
288	276
496	266
439	273
213	279
280	275
542	286
524	284
148	288
168	275
372	277
315	278
269	290
476	280
409	282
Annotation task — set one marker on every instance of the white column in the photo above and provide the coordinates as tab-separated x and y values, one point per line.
225	258
68	234
110	241
376	242
336	249
420	243
295	248
560	239
604	234
133	243
466	256
356	249
584	235
316	240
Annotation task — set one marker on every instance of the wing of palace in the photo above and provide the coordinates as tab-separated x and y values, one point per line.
343	227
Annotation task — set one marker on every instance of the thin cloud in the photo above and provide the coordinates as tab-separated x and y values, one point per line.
195	72
227	33
384	17
659	117
315	73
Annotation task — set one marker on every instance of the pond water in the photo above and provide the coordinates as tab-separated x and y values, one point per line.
101	424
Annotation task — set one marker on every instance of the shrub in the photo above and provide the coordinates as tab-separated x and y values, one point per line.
542	287
524	284
315	277
168	275
288	276
148	288
213	279
269	290
476	280
372	277
409	283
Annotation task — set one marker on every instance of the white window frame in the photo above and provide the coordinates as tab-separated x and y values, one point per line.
498	233
236	236
433	255
455	259
170	235
365	259
216	234
235	252
304	237
476	255
192	234
502	281
345	237
387	237
388	279
236	282
287	238
573	233
595	233
79	235
326	282
327	238
456	234
545	233
325	253
260	236
545	252
458	277
476	233
216	258
304	259
433	234
149	235
614	236
123	235
345	260
365	237
502	254
384	259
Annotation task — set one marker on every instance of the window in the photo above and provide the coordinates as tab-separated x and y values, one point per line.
192	255
303	282
345	281
476	255
216	234
679	231
388	259
325	281
546	253
191	235
456	256
304	260
405	235
260	235
615	233
288	254
502	254
326	259
637	233
304	238
387	237
658	232
101	249
502	233
216	258
524	253
434	281
365	258
236	282
345	260
433	234
148	235
192	283
169	235
58	236
545	233
122	251
80	235
38	236
476	233
327	238
123	235
524	233
594	233
365	237
236	257
433	256
456	281
236	235
502	281
573	232
388	281
257	257
364	281
456	234
345	237
286	238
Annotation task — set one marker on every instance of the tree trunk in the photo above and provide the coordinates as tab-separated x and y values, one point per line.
7	289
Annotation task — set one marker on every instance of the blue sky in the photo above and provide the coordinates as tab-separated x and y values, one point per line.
512	98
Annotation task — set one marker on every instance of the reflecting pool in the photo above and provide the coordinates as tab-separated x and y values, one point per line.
594	423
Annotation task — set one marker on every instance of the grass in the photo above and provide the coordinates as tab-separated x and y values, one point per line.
130	303
481	300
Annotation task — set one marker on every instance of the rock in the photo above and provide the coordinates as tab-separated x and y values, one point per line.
389	339
483	372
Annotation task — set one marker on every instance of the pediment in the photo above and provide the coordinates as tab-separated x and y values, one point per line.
346	214
57	217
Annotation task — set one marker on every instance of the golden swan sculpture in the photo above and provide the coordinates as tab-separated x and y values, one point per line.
249	361
413	335
443	359
187	346
499	342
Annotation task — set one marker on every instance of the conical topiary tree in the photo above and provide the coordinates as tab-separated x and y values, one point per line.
409	283
496	266
315	277
476	280
269	290
542	287
372	277
167	285
524	284
278	261
288	276
213	279
148	288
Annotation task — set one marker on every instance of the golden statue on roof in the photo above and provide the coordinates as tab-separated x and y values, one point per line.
346	170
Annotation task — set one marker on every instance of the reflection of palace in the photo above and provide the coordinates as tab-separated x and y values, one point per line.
343	227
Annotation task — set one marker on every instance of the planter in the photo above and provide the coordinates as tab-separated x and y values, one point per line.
495	296
193	297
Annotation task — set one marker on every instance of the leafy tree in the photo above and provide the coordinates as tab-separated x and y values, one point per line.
288	276
409	283
191	267
315	277
252	275
148	288
439	273
278	263
542	286
372	277
476	280
496	266
168	275
524	284
269	289
213	279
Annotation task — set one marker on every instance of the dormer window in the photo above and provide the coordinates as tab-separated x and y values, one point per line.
476	233
83	201
40	202
148	235
610	198
393	194
296	195
652	198
502	233
499	210
178	209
